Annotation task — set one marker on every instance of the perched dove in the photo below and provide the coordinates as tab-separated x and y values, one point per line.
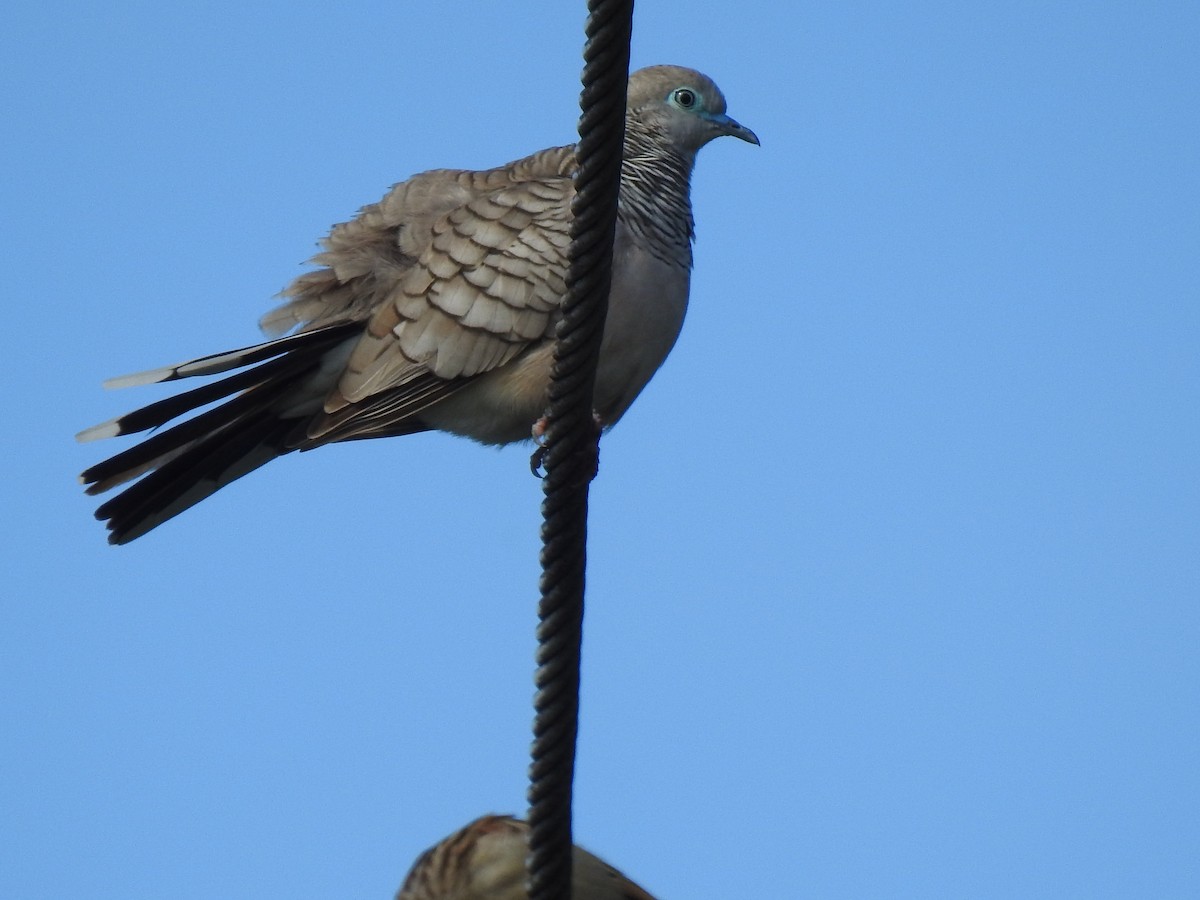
435	309
486	861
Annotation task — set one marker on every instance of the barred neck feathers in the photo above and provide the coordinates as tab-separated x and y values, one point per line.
655	203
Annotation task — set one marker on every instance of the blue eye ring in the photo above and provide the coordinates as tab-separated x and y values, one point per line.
685	98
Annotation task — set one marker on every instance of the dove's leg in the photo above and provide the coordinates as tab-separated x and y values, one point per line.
538	433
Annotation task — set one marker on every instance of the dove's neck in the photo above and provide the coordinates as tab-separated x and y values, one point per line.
655	203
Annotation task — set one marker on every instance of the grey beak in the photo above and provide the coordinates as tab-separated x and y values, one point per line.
736	129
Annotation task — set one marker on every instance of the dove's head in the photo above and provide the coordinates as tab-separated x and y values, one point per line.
487	859
681	105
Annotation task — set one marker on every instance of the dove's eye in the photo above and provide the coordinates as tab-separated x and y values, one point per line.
685	98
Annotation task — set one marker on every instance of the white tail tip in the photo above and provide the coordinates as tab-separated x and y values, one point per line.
108	429
154	376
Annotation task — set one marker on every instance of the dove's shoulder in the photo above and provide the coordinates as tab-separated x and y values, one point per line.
362	260
412	207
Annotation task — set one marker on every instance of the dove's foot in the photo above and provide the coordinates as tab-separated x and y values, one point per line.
538	432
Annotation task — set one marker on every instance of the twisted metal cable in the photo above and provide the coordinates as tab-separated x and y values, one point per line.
572	446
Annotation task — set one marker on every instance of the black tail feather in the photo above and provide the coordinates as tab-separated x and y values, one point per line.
193	475
270	381
165	410
194	458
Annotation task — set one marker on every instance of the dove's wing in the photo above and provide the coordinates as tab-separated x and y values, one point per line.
455	273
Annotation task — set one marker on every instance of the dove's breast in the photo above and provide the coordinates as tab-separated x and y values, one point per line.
645	314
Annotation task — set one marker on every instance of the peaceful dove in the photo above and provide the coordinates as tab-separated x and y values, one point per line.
435	309
486	861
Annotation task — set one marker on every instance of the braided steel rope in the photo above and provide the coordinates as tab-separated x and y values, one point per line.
572	446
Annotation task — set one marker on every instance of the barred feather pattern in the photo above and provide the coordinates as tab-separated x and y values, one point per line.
486	861
655	202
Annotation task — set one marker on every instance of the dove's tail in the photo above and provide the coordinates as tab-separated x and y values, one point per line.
265	415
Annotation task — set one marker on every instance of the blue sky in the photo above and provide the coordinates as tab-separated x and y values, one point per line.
894	568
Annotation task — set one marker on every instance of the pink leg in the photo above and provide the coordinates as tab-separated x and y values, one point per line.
538	433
